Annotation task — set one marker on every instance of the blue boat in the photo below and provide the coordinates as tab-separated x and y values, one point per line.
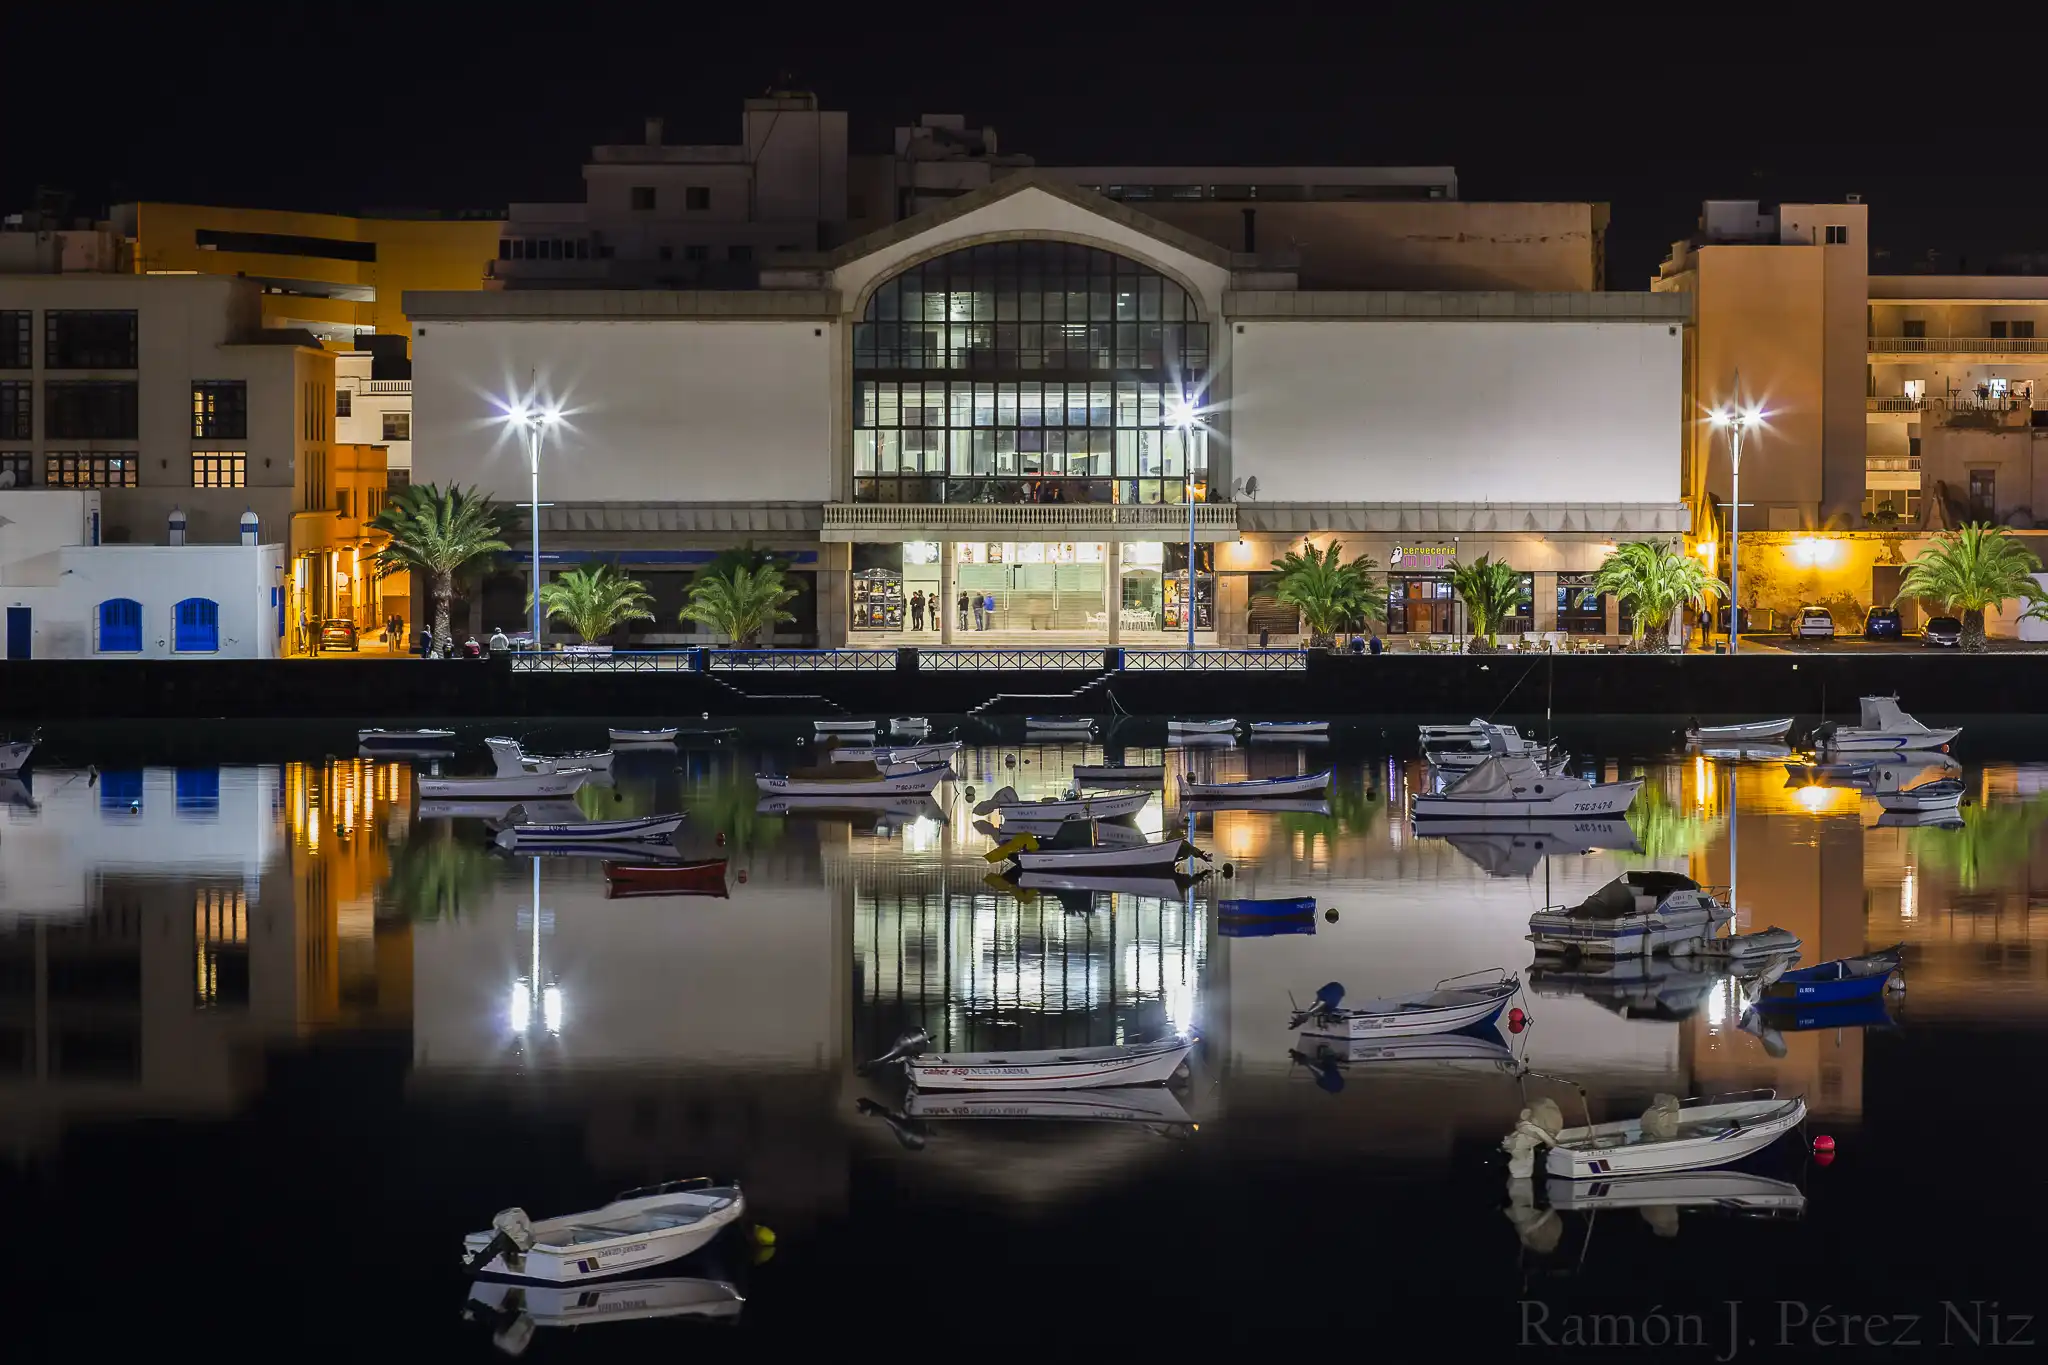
1295	907
1834	983
1265	928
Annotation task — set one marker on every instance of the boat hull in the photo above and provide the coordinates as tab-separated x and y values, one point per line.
1053	725
623	1255
650	827
1163	856
1308	784
1360	1024
702	878
917	781
1734	1190
1723	1147
14	757
663	736
1201	727
1297	907
1840	743
919	754
525	787
1755	731
1630	936
613	1301
1477	1045
1099	806
842	727
1607	799
1146	1104
1290	727
1079	1070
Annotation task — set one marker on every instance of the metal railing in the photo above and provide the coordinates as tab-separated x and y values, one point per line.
985	660
1215	660
1895	404
618	661
1959	345
799	660
384	386
941	517
1891	462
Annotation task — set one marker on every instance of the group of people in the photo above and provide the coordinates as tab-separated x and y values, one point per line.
423	645
980	605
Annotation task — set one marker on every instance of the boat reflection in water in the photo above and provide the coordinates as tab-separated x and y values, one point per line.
1516	848
1327	1060
1663	1202
1770	1028
1633	987
1152	1108
514	1312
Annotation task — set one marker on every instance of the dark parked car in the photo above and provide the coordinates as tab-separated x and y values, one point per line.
338	634
1882	624
1945	631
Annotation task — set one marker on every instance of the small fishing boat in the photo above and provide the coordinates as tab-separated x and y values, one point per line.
879	754
641	1228
1288	907
1771	942
517	831
1120	774
1638	912
1201	727
1444	1008
844	726
1942	794
1671	1135
1471	731
1257	788
1882	728
1482	1043
698	877
407	741
518	787
1077	847
1513	785
1060	725
664	735
514	1312
14	755
1107	805
1079	1068
1271	728
911	725
1742	732
1833	983
512	758
853	779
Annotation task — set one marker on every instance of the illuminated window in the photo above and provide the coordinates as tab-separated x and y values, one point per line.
17	469
77	469
220	409
220	469
220	938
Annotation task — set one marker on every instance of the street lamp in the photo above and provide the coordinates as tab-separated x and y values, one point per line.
534	421
1185	419
1737	421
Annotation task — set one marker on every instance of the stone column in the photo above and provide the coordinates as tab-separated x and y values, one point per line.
1545	592
1612	625
948	590
835	595
1113	589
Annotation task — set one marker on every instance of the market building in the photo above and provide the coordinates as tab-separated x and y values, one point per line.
1040	397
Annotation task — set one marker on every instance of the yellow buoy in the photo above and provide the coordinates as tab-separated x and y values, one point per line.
764	1235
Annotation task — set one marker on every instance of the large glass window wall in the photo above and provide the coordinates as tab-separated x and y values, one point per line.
1022	372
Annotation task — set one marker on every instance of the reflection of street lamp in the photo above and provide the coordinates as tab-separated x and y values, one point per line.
520	1009
1737	421
533	421
1185	418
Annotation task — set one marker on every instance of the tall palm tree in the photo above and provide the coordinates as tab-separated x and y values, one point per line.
1492	591
595	599
1328	590
1973	569
438	533
741	604
1657	580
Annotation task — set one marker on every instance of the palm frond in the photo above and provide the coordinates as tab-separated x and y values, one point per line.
1330	592
1492	590
741	604
1657	581
436	531
594	600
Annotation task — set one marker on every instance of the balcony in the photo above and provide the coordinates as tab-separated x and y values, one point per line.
384	386
1947	346
1894	405
1027	521
1891	463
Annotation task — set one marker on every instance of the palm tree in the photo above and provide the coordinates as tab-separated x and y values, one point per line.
741	604
1972	569
594	600
438	533
1328	591
1492	591
1657	580
436	875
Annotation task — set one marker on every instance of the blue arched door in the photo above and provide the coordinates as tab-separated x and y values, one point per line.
197	626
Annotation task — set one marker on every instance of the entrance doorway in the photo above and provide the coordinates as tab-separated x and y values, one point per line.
19	632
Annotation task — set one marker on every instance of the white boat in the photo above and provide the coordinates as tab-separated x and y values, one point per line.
408	741
1077	848
514	1312
14	756
664	735
1060	725
1638	912
1106	805
1078	1068
512	758
520	787
641	1228
1512	785
911	725
1256	788
1268	805
893	753
518	831
842	727
1290	727
1743	732
1516	848
1948	817
1882	728
1476	1045
1771	942
1886	784
1201	727
852	779
1651	986
1671	1135
1444	1008
1493	739
1750	751
1470	731
1120	774
1736	1191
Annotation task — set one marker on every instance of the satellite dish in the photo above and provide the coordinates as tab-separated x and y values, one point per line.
1251	487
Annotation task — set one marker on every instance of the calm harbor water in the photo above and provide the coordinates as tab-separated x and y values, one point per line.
272	1038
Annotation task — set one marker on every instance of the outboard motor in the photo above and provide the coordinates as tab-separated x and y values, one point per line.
907	1046
514	1237
1327	1000
1323	1066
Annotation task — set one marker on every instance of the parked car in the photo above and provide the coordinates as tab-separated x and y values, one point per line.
1815	623
1945	631
338	633
1883	624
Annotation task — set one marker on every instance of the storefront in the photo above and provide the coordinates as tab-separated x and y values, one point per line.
1420	600
1582	609
1068	587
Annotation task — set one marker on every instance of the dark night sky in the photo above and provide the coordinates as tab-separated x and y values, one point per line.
370	105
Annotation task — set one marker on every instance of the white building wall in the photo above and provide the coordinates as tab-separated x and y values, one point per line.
656	411
1468	411
379	410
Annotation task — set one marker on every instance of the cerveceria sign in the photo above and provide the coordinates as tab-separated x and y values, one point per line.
1422	558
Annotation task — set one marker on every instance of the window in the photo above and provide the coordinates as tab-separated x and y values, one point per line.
1998	329
100	339
17	469
665	252
398	479
197	626
341	501
15	342
220	469
344	402
120	626
696	198
17	409
89	410
1913	327
1983	494
1837	234
643	198
373	503
398	426
283	244
76	469
697	252
220	409
740	252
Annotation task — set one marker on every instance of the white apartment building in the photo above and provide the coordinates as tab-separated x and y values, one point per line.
373	407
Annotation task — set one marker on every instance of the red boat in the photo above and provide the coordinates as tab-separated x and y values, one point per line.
705	877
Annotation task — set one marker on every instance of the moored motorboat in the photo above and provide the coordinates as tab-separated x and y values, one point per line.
1076	847
1290	727
1638	912
1492	739
407	741
893	753
515	787
1833	983
1172	887
662	735
641	1228
1060	725
1741	732
842	726
1882	728
1257	788
1444	1008
911	725
511	758
853	779
1513	785
1648	986
1480	1043
1104	805
517	831
696	877
1942	794
1201	727
1671	1135
1080	1068
1119	774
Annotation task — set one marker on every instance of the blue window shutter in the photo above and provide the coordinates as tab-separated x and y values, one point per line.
197	621
120	626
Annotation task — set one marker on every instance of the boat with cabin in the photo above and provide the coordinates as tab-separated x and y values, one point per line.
1642	911
1881	728
1512	785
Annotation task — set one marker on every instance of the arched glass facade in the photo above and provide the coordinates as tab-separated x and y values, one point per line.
1027	372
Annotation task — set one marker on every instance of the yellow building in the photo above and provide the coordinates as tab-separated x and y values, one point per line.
333	549
331	275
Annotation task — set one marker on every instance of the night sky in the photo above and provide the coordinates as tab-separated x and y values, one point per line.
363	106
